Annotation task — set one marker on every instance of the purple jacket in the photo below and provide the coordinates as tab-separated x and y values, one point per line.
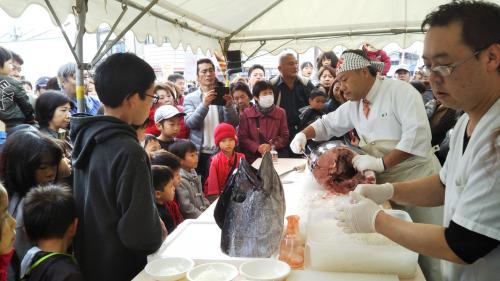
273	128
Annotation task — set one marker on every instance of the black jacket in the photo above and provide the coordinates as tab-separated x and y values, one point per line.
119	224
59	267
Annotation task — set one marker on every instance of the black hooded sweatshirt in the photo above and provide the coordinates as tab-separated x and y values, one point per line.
118	221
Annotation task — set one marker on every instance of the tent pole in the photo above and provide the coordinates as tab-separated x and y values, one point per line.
124	10
53	13
81	9
125	30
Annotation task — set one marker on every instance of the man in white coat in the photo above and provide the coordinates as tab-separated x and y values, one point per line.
390	119
462	57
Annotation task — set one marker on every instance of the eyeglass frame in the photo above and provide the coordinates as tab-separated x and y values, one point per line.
155	97
441	69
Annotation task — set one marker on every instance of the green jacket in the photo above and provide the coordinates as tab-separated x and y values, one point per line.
14	102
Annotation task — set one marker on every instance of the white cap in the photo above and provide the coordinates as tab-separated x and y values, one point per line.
166	112
402	67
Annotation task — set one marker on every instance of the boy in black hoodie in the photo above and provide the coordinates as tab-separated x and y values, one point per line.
119	224
50	221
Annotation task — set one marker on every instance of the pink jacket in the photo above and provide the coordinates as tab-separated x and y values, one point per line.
273	127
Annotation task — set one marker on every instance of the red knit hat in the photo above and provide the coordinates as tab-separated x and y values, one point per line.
224	130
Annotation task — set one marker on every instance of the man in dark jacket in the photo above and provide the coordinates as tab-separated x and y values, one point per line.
119	224
291	92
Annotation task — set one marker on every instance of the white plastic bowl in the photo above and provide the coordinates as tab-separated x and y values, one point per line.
265	270
217	271
169	269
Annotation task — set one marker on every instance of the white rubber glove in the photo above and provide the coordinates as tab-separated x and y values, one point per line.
379	193
367	162
298	143
359	216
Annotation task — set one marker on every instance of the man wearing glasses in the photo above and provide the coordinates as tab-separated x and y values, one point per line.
462	57
202	116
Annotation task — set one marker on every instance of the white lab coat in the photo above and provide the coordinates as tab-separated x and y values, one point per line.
397	120
472	196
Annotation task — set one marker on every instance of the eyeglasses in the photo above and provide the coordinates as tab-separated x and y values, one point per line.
155	97
446	70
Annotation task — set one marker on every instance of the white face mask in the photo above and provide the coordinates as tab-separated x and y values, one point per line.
266	101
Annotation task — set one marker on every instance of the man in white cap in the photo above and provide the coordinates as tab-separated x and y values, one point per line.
403	73
390	119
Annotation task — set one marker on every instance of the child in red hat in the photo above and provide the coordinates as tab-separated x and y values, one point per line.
224	162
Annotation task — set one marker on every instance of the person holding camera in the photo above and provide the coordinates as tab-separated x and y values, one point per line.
203	114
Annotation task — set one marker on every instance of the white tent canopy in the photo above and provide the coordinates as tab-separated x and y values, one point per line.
248	25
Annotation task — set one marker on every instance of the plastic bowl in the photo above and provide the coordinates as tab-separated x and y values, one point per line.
169	269
265	270
218	271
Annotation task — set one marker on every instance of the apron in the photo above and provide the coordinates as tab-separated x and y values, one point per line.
412	168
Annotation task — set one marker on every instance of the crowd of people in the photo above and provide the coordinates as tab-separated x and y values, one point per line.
88	195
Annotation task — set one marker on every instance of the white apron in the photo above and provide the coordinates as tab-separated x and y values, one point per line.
412	168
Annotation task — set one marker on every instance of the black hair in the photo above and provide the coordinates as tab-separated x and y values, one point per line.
161	176
174	77
261	86
25	82
254	67
240	86
46	105
21	155
317	92
419	86
306	64
327	55
5	55
373	71
17	57
480	21
148	138
165	158
122	75
181	148
202	61
53	84
48	211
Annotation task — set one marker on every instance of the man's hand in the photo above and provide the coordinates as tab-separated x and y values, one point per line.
263	148
359	216
298	143
209	98
367	162
379	193
229	100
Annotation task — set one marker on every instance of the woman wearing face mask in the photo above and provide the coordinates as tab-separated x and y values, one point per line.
264	125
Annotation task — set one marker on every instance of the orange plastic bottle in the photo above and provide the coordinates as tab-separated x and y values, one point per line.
292	245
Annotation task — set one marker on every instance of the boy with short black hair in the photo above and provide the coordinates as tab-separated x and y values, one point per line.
168	121
50	221
119	224
163	182
168	159
189	193
315	109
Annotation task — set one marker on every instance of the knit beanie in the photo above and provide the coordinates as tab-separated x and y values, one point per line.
224	130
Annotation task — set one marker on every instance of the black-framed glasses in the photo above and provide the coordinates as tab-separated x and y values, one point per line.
155	97
447	70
